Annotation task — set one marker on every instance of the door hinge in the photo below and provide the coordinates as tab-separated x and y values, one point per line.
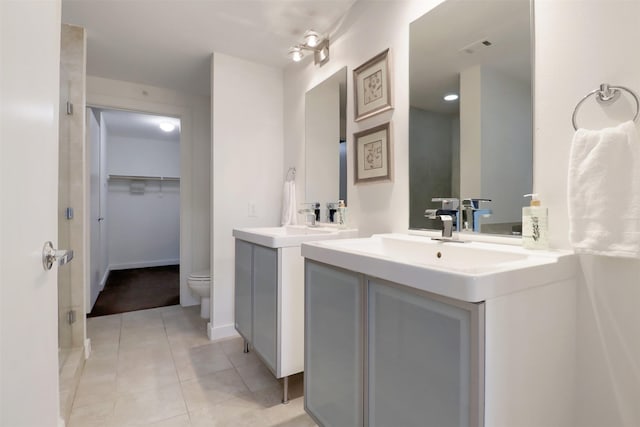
69	108
68	213
71	316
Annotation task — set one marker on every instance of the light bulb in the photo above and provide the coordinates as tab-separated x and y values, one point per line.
296	54
451	97
311	38
167	127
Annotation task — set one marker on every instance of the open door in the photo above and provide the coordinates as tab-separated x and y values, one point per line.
29	88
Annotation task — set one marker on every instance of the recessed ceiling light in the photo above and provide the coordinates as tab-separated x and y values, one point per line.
167	127
451	97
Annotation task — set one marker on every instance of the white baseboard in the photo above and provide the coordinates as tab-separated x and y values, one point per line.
105	276
87	348
220	332
143	264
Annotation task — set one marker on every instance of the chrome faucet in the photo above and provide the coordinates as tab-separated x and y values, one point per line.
448	214
471	214
310	212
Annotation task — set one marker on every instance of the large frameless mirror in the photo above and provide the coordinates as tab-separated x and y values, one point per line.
471	120
325	144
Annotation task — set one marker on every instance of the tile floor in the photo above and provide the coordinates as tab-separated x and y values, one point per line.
157	368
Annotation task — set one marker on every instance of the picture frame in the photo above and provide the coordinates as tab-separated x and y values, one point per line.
372	87
373	154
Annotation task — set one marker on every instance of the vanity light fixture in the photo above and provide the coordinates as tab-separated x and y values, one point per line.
314	42
296	54
451	97
167	127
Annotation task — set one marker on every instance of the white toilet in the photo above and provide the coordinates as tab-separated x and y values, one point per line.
200	284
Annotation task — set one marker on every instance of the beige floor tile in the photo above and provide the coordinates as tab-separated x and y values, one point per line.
180	421
213	389
91	393
149	352
101	323
188	339
140	337
234	412
146	376
199	361
257	377
289	414
152	405
96	415
234	349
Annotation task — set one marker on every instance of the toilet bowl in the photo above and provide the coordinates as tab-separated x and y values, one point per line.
200	284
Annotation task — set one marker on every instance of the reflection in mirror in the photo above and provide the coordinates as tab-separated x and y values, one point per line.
325	144
478	145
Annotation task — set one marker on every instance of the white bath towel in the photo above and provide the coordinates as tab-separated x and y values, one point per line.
604	191
289	214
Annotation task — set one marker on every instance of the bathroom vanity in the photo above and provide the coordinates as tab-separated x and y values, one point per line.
404	330
269	292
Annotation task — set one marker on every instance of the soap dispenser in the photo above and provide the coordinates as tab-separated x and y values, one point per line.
341	215
535	224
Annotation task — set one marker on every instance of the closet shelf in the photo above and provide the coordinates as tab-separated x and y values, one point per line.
142	178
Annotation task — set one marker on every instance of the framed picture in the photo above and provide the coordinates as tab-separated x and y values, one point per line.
372	87
373	154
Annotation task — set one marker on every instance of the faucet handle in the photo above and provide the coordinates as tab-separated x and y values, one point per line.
473	202
448	203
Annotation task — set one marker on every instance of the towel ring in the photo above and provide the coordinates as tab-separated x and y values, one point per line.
606	94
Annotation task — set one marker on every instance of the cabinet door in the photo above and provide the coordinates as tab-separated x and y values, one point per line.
333	346
244	261
265	303
422	359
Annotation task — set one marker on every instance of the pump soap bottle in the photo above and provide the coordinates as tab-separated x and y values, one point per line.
535	224
341	214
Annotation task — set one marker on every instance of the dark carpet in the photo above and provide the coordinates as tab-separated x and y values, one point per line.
138	289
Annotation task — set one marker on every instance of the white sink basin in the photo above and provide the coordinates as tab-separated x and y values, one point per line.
470	271
291	235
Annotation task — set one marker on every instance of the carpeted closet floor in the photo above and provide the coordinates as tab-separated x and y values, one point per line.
138	289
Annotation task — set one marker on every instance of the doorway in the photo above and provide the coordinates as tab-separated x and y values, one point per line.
134	210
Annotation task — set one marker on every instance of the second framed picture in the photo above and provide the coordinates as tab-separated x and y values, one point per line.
372	87
373	154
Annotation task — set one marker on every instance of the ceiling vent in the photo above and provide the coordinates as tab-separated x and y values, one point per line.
476	46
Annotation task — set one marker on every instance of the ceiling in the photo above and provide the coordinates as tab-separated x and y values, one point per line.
138	125
168	43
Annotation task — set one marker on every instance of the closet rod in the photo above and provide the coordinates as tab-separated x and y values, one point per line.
143	178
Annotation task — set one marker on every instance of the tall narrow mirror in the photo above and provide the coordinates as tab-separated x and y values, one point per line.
470	120
325	144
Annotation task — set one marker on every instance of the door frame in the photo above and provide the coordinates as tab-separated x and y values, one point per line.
98	100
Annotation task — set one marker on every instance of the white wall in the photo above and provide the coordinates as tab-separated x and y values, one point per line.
143	230
573	56
247	153
195	152
507	154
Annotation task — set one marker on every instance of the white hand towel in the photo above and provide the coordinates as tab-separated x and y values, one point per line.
604	191
289	216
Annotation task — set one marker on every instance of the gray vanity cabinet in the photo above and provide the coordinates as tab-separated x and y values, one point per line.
382	354
334	363
243	289
423	358
265	303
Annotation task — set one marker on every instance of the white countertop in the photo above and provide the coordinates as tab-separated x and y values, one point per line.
471	271
291	235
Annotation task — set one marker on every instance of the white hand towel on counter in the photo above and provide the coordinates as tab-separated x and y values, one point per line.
289	216
604	191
